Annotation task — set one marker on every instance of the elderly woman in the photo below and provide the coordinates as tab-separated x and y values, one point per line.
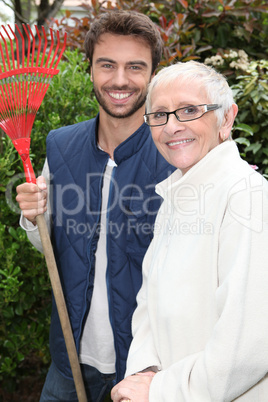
201	325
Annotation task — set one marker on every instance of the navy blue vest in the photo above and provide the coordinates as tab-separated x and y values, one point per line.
77	165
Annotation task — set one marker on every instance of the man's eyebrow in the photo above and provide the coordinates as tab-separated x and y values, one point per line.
130	63
105	60
135	62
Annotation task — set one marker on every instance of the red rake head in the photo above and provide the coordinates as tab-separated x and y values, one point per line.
24	80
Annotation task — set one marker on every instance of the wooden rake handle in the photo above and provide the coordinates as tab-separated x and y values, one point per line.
61	306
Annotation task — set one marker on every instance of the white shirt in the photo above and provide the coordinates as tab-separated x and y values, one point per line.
97	346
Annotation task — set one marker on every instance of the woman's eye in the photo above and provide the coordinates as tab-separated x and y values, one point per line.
190	110
159	115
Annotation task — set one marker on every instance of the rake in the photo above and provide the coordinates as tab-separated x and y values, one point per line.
25	75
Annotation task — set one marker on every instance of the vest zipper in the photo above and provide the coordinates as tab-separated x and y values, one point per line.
111	317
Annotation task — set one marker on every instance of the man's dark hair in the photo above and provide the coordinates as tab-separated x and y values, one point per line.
132	23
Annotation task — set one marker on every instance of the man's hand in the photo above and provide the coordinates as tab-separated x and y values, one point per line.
32	198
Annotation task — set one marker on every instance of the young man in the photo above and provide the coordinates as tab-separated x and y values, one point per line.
102	178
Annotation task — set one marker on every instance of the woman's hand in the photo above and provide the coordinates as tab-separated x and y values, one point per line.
134	388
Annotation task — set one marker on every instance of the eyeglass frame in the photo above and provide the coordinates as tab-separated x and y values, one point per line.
210	108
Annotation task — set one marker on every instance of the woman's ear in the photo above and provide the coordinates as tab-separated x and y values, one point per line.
228	122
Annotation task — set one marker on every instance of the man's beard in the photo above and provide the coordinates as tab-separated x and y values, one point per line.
136	106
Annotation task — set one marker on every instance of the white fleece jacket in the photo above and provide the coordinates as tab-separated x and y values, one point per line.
202	315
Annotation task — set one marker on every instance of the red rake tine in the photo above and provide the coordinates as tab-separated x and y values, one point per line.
6	104
51	47
22	86
28	92
55	52
28	85
33	44
35	86
14	91
39	46
45	47
11	105
18	64
34	99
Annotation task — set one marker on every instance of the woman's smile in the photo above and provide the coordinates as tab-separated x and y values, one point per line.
180	142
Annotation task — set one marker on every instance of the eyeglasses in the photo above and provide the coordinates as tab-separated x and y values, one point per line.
188	113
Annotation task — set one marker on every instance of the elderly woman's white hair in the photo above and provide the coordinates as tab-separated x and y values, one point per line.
214	83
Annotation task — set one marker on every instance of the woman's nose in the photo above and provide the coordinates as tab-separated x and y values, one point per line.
173	125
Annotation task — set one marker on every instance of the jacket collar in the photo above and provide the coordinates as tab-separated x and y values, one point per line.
126	149
223	157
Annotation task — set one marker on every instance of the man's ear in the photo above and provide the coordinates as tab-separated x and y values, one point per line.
152	75
91	73
228	122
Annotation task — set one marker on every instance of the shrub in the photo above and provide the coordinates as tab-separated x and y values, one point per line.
191	29
250	92
24	288
248	81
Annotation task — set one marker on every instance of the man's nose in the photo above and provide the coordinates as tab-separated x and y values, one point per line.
121	77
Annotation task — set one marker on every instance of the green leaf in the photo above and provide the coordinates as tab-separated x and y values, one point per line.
13	233
242	141
19	309
254	148
9	345
244	127
20	357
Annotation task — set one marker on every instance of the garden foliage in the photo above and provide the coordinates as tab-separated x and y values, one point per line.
230	35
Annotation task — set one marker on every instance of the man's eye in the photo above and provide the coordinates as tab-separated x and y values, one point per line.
135	67
106	65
